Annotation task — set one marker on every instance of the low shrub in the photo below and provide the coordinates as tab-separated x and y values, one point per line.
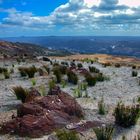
93	69
2	70
58	75
6	75
117	65
30	71
79	65
104	133
63	83
51	85
91	81
66	135
101	107
22	71
20	93
72	77
47	68
126	116
134	73
72	64
33	81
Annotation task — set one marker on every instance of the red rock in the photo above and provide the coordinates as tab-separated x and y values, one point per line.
42	115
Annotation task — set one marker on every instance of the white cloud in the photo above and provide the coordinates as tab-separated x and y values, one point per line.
79	15
130	3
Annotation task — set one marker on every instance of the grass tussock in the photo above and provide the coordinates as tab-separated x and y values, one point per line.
126	116
104	133
66	135
72	77
20	93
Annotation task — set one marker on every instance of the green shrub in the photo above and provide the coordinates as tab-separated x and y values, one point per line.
33	81
30	71
93	69
63	83
47	68
126	116
66	135
100	77
134	73
117	65
77	93
72	64
101	107
104	133
6	75
79	65
58	75
72	77
2	70
63	69
51	85
22	71
90	80
42	90
20	93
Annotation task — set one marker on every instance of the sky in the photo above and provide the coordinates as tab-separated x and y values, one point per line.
69	18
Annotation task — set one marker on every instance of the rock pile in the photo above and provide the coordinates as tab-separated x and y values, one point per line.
41	115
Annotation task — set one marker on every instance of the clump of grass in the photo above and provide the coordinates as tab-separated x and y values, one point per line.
20	93
104	133
79	65
22	71
63	83
6	75
134	73
46	68
51	85
58	75
117	65
42	90
72	77
93	69
77	93
83	86
126	116
90	80
101	107
30	71
33	81
2	70
66	135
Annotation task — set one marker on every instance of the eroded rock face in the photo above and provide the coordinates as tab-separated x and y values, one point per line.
42	115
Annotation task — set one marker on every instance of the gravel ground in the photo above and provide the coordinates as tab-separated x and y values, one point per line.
121	87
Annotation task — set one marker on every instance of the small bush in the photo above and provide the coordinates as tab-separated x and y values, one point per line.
134	73
66	135
20	93
126	116
117	65
58	75
22	72
51	85
2	70
94	69
90	80
63	83
72	64
104	133
33	81
6	75
72	77
47	69
79	65
101	107
42	90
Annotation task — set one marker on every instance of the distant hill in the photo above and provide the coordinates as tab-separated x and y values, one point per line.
128	46
17	48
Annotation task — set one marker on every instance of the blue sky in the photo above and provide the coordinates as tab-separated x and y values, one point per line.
69	17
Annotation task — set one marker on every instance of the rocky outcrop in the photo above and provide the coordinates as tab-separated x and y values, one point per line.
41	115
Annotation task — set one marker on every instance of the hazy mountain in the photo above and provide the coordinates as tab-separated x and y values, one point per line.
17	48
129	46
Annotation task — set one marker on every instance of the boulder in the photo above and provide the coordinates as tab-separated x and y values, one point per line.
41	115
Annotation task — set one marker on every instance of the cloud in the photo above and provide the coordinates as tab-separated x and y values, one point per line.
77	15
